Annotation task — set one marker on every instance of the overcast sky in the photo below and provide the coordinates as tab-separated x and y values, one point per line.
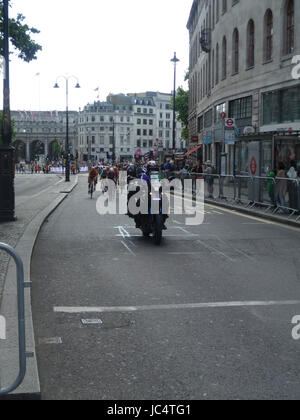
120	46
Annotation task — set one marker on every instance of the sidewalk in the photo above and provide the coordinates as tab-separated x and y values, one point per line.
22	235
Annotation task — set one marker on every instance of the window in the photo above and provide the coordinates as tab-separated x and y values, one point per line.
224	6
145	122
281	106
208	119
235	52
251	44
268	35
224	59
200	124
217	64
241	108
290	27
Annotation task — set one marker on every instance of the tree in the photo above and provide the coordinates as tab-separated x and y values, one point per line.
182	108
20	37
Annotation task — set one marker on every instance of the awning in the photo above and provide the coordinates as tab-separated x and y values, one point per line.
193	150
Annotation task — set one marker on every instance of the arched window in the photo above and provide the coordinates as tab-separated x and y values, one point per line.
235	52
251	44
217	64
224	58
213	70
290	27
268	35
217	10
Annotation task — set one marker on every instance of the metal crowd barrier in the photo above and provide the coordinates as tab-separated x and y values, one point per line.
275	194
21	285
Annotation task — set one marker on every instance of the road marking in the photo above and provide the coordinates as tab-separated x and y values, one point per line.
257	219
46	189
128	249
235	249
50	341
122	232
104	309
211	248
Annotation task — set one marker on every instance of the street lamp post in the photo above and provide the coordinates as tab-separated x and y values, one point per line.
56	86
175	61
7	173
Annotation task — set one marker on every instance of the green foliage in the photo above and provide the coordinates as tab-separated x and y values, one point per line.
58	149
182	108
20	37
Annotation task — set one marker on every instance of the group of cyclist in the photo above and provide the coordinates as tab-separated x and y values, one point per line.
112	172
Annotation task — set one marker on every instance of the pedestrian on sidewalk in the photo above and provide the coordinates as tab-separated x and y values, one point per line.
293	186
209	179
271	187
281	187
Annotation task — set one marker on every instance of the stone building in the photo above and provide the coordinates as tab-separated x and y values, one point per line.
242	57
115	129
37	133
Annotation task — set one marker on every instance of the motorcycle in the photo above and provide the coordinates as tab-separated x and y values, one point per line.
152	223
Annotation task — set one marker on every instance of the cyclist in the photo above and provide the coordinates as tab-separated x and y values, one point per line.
93	178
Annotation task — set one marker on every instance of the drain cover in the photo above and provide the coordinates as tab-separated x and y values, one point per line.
91	321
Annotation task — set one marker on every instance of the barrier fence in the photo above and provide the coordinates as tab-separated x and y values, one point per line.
276	195
23	354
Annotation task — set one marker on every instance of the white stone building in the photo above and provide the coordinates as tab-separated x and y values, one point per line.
242	54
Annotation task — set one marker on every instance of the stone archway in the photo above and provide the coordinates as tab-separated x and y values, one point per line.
55	150
37	148
20	151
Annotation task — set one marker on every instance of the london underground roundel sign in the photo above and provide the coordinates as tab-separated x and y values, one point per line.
253	166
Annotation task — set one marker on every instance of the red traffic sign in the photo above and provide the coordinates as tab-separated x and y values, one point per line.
253	166
223	115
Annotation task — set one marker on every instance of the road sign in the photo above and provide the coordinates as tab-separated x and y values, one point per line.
253	166
229	123
223	115
230	136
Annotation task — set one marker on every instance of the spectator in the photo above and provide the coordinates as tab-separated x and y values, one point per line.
281	187
271	187
209	179
293	186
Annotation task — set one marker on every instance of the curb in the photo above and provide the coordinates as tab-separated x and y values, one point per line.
30	388
250	212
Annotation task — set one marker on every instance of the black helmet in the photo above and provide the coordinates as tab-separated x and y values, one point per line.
131	171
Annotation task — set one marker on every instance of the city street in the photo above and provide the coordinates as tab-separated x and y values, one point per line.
30	186
207	315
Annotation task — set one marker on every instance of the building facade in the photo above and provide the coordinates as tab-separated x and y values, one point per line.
118	129
242	66
38	133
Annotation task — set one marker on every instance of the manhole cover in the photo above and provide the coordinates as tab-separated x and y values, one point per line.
91	321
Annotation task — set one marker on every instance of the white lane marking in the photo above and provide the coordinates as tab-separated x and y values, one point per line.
185	231
45	190
235	249
241	304
128	249
211	248
257	219
122	232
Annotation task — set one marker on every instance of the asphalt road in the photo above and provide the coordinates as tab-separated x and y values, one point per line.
29	186
207	315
